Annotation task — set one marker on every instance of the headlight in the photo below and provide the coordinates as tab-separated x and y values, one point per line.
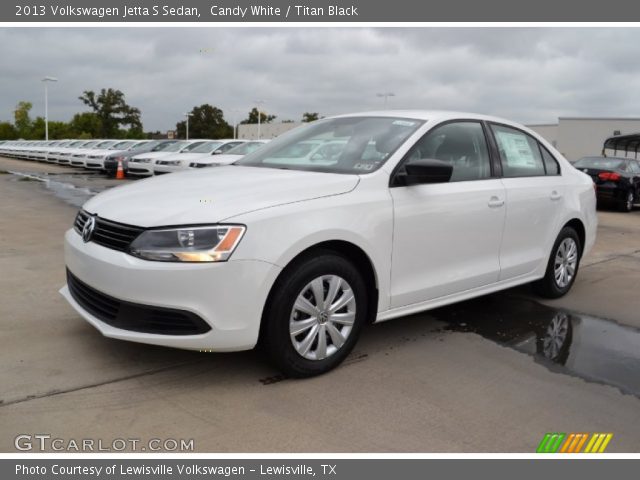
188	244
142	160
173	163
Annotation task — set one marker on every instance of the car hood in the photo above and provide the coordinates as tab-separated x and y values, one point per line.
184	156
153	155
213	195
222	159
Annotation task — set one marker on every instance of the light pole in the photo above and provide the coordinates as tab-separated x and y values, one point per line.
46	80
386	95
258	103
235	112
188	115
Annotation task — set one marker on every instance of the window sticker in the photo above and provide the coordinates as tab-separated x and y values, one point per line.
517	150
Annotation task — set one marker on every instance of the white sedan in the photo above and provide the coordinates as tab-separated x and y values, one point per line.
419	209
181	161
229	157
143	164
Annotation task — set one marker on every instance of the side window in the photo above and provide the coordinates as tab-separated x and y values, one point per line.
461	144
550	163
634	166
519	153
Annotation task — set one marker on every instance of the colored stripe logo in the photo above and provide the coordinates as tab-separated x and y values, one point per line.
574	443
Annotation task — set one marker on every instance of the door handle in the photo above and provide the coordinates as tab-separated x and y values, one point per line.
555	196
495	202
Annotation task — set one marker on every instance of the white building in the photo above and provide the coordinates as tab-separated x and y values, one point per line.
267	130
577	137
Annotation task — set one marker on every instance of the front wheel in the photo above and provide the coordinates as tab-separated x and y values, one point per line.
314	315
562	266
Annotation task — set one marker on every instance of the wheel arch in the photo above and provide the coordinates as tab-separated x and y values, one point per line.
578	226
351	252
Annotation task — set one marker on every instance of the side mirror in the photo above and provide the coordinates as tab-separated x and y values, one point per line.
424	171
217	152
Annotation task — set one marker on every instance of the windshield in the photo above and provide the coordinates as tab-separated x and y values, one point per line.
148	145
89	144
161	147
245	148
350	145
121	145
603	163
175	147
106	144
192	147
206	147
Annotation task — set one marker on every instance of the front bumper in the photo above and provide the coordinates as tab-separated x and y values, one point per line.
228	296
144	169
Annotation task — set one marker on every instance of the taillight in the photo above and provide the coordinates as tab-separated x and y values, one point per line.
609	176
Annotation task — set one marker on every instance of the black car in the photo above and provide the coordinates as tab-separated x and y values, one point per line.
111	162
617	179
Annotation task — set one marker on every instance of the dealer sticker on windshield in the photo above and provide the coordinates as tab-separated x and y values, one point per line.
404	123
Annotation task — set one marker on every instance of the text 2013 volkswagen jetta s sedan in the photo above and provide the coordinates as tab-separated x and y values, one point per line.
405	212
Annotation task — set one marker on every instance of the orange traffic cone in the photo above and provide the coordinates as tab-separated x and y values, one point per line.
120	170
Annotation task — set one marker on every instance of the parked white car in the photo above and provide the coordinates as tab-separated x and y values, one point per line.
229	156
420	209
94	160
143	164
181	161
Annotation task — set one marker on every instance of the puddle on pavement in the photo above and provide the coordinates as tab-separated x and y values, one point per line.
591	348
60	185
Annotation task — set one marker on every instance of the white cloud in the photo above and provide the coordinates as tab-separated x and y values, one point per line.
526	74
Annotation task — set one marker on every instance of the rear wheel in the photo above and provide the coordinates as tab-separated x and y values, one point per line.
627	203
562	267
315	315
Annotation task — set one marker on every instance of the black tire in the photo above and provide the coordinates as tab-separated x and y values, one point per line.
547	286
627	204
275	338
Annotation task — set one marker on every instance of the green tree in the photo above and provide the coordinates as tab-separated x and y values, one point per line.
206	121
310	117
22	120
85	125
112	110
8	131
253	117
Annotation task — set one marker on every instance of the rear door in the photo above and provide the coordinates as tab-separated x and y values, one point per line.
535	196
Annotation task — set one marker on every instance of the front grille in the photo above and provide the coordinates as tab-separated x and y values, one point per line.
133	316
113	235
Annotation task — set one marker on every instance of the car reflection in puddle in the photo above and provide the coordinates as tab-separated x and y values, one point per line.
591	348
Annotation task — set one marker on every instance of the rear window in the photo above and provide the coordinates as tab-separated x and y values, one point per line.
602	163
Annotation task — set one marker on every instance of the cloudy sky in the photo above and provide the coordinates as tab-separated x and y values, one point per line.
529	75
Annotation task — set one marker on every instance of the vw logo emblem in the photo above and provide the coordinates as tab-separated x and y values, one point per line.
87	230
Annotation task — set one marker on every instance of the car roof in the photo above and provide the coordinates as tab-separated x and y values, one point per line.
431	115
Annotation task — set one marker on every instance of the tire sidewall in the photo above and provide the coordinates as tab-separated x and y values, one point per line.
276	330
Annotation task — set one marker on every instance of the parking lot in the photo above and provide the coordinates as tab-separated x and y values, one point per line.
459	379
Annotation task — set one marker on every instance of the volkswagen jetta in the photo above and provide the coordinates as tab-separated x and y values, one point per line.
414	210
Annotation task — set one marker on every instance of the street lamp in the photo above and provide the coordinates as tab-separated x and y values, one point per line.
187	114
386	95
46	80
258	103
235	112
